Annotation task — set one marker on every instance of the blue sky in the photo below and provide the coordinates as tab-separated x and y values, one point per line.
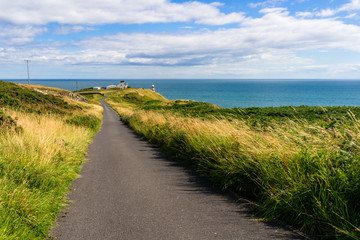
180	39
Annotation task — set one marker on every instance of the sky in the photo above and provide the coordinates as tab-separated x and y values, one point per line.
165	39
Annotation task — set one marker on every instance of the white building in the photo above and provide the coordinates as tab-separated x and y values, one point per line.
122	85
96	88
110	87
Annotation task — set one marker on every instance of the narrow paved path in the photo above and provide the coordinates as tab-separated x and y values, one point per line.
128	190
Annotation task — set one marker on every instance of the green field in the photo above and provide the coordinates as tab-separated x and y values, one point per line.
298	165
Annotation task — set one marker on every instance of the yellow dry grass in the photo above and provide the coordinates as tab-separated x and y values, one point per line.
213	132
43	137
38	163
92	109
123	111
282	140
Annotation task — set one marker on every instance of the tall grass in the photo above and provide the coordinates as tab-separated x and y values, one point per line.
43	139
295	171
37	166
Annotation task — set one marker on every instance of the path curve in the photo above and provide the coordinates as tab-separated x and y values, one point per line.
129	190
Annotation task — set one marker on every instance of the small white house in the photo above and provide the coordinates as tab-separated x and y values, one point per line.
110	87
122	85
96	88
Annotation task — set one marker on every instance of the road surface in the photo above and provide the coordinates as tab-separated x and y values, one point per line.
129	190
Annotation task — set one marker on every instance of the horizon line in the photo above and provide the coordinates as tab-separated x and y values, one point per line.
105	79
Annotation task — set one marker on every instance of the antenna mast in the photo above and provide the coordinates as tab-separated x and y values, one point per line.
27	63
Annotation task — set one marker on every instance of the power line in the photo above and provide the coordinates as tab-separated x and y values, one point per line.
27	63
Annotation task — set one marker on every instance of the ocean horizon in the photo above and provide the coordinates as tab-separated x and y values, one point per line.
230	93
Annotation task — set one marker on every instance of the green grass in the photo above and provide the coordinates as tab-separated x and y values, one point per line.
89	121
24	99
254	115
135	96
43	142
299	165
94	98
89	89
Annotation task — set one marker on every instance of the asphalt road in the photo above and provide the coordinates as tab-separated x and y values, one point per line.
129	190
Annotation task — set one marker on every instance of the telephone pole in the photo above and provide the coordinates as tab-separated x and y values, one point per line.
27	63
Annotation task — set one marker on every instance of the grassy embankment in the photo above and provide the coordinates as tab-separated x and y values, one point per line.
44	134
300	165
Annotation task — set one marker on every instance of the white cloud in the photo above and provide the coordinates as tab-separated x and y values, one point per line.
353	5
15	35
352	16
268	3
304	14
275	34
64	30
326	13
222	19
282	11
261	45
113	11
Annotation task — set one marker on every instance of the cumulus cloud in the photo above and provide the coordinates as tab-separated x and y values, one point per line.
15	35
277	29
268	3
267	43
275	32
304	14
353	5
113	11
326	13
64	30
352	16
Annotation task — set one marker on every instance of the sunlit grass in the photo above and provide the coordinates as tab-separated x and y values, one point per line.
37	165
44	134
306	173
39	157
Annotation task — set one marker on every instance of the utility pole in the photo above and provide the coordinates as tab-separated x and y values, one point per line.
27	63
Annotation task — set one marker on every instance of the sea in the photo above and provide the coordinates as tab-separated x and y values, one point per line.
230	93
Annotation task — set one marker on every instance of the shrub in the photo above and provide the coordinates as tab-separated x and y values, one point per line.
88	121
6	121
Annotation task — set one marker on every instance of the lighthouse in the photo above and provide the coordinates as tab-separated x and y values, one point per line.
153	87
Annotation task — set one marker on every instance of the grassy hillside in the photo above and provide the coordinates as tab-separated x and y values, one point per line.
300	165
135	97
44	134
94	98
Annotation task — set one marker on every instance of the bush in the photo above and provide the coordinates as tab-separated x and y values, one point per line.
88	121
6	121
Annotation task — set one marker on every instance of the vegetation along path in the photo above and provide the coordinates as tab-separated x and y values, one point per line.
128	190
